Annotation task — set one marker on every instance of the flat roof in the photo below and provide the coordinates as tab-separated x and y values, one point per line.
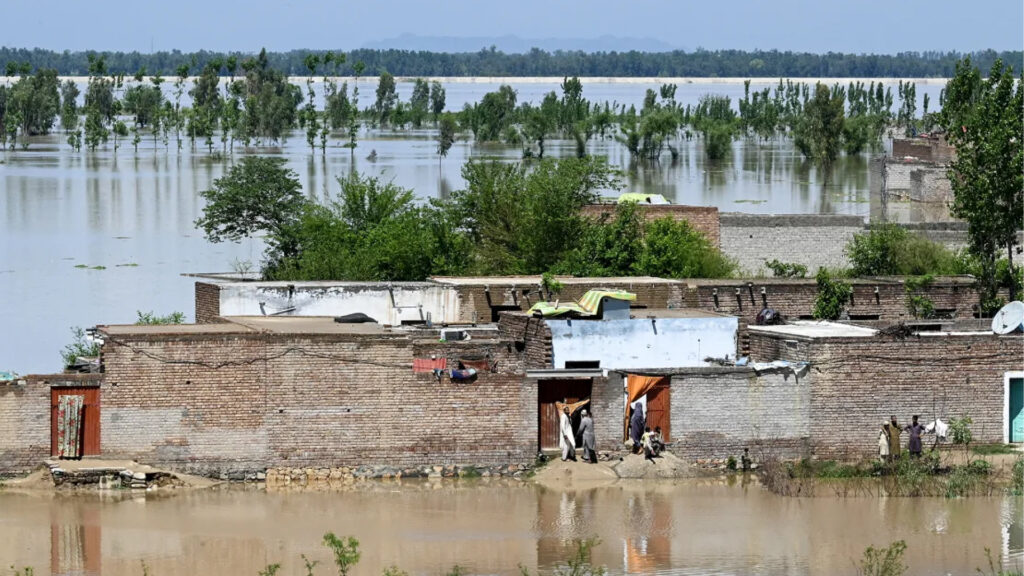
640	314
535	280
284	284
812	329
133	329
304	325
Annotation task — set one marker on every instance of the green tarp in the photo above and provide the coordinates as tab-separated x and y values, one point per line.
588	305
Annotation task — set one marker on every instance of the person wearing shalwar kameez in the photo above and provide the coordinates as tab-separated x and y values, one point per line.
587	434
566	438
636	426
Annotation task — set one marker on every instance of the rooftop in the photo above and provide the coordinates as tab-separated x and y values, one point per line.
810	329
536	280
292	325
645	314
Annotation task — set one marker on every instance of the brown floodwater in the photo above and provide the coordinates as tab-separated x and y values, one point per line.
493	527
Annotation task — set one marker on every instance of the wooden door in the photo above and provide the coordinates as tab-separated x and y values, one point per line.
549	392
90	418
658	413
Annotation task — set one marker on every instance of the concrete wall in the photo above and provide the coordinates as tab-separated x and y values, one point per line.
716	412
239	403
909	190
388	306
641	342
812	240
925	149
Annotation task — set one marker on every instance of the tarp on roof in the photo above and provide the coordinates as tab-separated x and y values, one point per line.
588	305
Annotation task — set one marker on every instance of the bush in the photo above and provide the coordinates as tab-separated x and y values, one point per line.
890	250
832	297
151	319
81	345
884	561
673	249
786	269
960	431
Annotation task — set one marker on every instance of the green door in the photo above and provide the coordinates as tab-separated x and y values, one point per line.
1016	409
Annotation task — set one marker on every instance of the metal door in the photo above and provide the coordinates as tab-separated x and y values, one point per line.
549	392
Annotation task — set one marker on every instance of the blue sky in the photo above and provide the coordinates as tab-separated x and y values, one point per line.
805	25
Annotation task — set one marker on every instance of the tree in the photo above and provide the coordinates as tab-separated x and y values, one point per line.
983	119
419	102
386	97
445	135
437	96
206	104
818	135
257	195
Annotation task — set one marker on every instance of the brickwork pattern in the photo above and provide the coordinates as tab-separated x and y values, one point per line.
925	149
25	421
207	303
860	382
263	400
716	412
702	218
814	241
531	339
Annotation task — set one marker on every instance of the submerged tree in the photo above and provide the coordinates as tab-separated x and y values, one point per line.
386	98
818	135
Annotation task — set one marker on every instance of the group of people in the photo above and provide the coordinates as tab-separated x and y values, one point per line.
567	438
889	445
650	442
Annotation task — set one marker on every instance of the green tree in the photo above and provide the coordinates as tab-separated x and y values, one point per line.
437	97
833	295
674	249
446	135
386	98
256	195
419	103
818	135
983	119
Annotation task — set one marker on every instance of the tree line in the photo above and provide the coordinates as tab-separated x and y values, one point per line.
491	62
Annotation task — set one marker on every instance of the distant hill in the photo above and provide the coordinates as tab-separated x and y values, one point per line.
517	45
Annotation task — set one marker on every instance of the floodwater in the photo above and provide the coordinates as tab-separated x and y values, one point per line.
426	527
91	238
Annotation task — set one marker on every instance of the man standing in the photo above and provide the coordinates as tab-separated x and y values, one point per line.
587	433
914	445
636	426
894	439
566	438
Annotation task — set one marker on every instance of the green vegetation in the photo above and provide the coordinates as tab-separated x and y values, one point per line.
151	319
490	62
832	297
786	269
889	249
919	305
886	561
510	219
991	449
81	346
984	119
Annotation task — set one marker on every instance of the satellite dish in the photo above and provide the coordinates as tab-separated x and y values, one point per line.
1009	319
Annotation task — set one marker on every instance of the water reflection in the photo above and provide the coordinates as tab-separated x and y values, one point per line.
425	527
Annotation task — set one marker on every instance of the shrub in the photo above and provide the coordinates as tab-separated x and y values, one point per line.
346	552
81	345
151	319
919	305
884	561
960	431
889	249
673	249
786	269
832	297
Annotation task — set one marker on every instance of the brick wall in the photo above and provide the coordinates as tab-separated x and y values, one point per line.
262	400
925	149
530	338
716	412
860	382
812	240
25	419
207	303
701	218
608	404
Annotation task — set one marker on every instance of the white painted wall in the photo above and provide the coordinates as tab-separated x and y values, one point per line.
322	299
638	344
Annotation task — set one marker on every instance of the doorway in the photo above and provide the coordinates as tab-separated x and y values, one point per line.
75	417
548	393
658	409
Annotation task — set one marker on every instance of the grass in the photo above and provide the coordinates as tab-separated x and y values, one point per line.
991	449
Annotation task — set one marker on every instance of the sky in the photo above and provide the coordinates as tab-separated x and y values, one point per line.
876	26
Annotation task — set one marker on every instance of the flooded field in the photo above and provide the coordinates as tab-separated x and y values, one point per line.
89	238
683	527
